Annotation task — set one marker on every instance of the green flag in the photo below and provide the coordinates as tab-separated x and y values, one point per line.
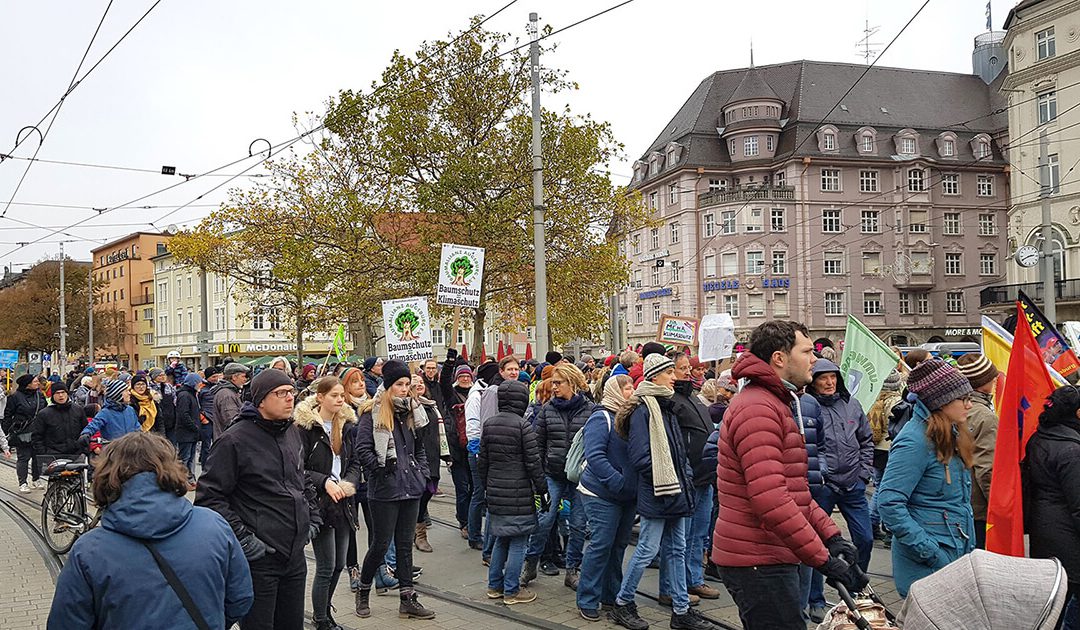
339	343
867	361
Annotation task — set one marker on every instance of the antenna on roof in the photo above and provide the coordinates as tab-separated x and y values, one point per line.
751	52
866	48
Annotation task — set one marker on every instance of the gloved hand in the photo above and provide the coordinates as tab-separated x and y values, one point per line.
84	442
842	548
474	446
837	571
390	465
254	548
312	532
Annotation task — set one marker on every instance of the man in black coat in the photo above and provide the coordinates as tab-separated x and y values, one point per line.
22	407
55	431
455	381
256	480
188	420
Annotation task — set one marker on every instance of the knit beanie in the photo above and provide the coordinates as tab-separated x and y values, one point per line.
24	381
193	380
585	358
654	365
553	357
462	370
114	390
393	371
266	382
977	369
893	382
156	372
371	362
57	387
231	369
486	372
652	347
937	384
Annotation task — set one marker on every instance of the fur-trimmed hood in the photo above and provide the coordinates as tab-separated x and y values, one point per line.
306	417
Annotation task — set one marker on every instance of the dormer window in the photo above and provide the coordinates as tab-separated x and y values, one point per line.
907	146
983	150
826	137
948	148
829	142
868	143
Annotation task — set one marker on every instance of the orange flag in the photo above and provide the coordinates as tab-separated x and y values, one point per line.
1027	386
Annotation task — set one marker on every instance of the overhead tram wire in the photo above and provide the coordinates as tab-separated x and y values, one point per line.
291	141
112	167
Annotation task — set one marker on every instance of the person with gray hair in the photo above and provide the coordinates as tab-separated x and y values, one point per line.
226	396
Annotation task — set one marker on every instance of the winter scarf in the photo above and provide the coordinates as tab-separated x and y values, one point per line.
384	438
664	478
147	408
444	448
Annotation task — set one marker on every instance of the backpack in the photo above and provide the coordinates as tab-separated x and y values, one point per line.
459	423
575	457
899	416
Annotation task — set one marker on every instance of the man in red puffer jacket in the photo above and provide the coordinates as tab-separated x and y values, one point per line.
768	522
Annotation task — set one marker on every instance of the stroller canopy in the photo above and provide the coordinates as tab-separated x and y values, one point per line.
984	590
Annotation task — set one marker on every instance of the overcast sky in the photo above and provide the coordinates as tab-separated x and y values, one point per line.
199	80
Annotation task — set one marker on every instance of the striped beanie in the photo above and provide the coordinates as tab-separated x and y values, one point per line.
654	365
937	384
977	369
114	390
893	382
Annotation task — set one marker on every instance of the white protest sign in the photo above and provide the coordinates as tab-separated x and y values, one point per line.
408	329
461	270
716	337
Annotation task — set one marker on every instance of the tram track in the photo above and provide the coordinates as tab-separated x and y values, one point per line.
52	561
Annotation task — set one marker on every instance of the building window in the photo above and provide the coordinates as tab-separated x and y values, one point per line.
710	227
915	180
871	263
180	322
954	302
674	271
829	142
755	305
779	262
867	143
438	336
755	262
750	146
674	233
868	181
776	220
1047	107
1053	171
921	264
1044	44
148	339
780	178
653	200
834	303
727	222
656	313
951	226
655	276
121	294
148	314
637	314
637	243
769	143
988	264
948	148
716	185
985	186
950	184
830	180
834	263
219	318
163	293
729	264
953	265
257	322
987	225
733	147
710	266
179	289
779	305
917	221
676	308
870	222
905	304
654	235
637	278
907	146
673	194
922	303
162	325
190	320
710	304
756	221
830	221
731	305
871	304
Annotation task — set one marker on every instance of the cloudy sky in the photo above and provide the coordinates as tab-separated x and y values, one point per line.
198	80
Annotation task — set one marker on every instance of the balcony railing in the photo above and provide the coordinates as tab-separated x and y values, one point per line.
757	193
1006	294
145	298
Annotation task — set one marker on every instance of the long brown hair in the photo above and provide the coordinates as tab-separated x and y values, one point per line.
132	454
324	386
949	439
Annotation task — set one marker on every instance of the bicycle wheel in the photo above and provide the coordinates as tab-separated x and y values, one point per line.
62	518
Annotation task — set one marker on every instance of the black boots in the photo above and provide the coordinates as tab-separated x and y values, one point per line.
528	572
363	609
412	609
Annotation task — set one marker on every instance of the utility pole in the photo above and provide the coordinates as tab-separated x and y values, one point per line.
1047	268
62	359
204	323
539	238
90	312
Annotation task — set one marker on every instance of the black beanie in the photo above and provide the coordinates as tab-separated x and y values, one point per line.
393	371
652	348
265	382
488	371
57	387
552	357
24	380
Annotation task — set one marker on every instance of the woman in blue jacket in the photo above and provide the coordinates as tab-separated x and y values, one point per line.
926	490
111	578
608	490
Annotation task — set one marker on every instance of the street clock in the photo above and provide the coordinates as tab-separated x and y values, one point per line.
1027	256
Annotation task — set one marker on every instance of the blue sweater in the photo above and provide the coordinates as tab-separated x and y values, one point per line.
113	422
607	474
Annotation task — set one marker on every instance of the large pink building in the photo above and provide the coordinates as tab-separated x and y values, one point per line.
773	200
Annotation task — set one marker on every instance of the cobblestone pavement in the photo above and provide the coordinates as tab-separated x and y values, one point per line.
453	584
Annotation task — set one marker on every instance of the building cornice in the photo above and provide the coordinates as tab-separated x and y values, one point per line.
1029	24
1042	69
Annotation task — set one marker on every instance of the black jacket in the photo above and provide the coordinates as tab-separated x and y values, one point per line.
429	435
22	407
319	461
509	460
556	424
695	424
56	429
166	408
256	480
451	396
1052	495
188	416
401	480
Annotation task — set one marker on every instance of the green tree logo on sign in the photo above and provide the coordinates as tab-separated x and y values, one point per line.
405	323
461	268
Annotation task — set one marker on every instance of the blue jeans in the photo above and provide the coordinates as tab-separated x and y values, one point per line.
696	536
601	564
856	512
1070	617
557	491
875	518
391	555
206	438
806	574
477	505
507	556
459	472
186	452
652	533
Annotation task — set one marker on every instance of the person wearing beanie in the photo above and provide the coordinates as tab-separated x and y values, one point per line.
926	491
553	357
396	467
256	481
486	378
456	380
188	420
21	408
56	429
116	417
213	376
373	374
982	422
878	416
588	360
84	391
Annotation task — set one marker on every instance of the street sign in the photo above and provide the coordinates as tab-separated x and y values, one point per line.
204	347
8	358
34	357
203	337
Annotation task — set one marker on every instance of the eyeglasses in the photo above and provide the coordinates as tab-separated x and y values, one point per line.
555	383
284	393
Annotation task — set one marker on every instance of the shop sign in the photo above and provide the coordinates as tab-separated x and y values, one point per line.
655	293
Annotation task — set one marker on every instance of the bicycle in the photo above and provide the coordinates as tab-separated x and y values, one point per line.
64	507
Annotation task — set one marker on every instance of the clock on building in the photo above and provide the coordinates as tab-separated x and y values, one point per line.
1027	256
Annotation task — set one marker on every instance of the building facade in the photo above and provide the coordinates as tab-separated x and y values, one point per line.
1043	52
772	200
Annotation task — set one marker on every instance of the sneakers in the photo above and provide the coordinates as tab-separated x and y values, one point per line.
384	580
523	596
39	484
589	614
548	567
573	576
528	572
665	600
494	593
354	579
363	607
627	617
817	614
704	591
690	620
412	609
24	488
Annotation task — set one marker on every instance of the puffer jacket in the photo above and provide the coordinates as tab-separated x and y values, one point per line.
187	415
767	516
695	424
607	473
406	478
56	429
429	435
811	415
982	422
648	504
166	406
848	443
319	461
22	407
925	504
1052	494
557	423
509	464
227	405
115	420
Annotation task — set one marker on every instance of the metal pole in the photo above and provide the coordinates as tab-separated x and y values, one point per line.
1049	305
90	312
539	246
204	323
62	359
